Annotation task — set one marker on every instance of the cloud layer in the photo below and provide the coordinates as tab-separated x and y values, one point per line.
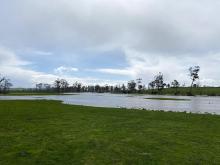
147	37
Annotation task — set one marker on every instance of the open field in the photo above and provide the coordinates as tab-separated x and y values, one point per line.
48	132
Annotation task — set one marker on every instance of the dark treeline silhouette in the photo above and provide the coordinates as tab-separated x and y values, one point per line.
156	86
61	85
5	85
133	86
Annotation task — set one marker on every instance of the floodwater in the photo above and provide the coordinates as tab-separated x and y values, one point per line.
198	104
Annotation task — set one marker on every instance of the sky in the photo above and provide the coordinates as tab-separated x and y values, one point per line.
109	41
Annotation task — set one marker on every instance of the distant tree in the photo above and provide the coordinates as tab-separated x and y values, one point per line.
106	88
131	86
123	88
139	84
168	85
151	85
175	84
194	75
111	89
97	88
41	86
159	81
5	85
47	86
64	85
117	89
57	85
91	88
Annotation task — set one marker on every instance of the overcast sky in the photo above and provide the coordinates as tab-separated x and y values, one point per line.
108	41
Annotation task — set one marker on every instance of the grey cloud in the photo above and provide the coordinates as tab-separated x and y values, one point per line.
155	26
178	32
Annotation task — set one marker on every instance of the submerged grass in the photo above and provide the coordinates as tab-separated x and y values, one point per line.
49	132
172	99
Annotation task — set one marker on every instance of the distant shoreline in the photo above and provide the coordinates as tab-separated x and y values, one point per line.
181	91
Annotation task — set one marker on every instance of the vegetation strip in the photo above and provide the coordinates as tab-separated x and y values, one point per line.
49	132
174	99
35	94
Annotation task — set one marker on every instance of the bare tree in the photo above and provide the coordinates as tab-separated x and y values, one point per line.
194	75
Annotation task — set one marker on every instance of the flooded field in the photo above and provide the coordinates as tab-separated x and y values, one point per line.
198	104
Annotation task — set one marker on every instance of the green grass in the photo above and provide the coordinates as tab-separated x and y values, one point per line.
162	98
49	132
184	91
34	94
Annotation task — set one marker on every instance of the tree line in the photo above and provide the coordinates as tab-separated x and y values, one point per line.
133	86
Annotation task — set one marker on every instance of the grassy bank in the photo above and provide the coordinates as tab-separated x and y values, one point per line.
48	132
184	91
33	94
168	99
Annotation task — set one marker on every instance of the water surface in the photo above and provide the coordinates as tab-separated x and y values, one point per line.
198	104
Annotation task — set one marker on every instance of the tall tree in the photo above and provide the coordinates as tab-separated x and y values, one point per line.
194	75
159	81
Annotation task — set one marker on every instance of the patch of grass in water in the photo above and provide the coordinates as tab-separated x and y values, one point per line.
172	99
36	94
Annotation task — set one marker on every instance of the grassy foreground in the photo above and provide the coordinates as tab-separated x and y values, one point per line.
48	132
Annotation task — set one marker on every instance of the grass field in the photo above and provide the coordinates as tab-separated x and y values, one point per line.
49	132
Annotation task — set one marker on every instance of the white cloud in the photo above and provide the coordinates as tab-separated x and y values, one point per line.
62	70
42	53
21	76
174	67
146	66
124	72
155	35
